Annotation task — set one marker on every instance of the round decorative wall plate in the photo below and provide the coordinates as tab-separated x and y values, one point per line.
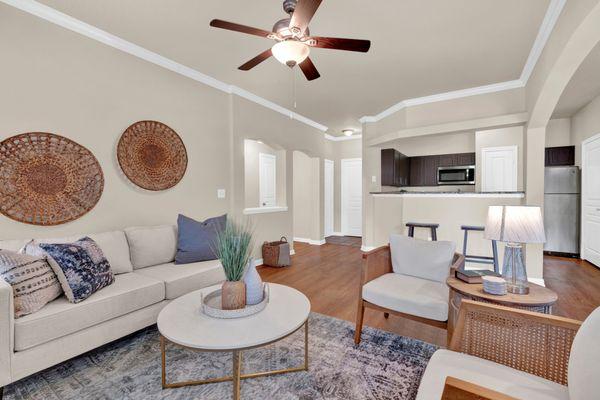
152	155
47	179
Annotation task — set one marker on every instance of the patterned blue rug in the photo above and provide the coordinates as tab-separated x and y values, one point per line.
384	366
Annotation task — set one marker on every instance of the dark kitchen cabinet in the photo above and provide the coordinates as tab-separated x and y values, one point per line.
560	156
423	169
394	168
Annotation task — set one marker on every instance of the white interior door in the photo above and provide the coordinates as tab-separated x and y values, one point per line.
351	196
590	227
267	179
499	169
328	195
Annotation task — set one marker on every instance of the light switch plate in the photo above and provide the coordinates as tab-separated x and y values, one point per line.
374	179
220	193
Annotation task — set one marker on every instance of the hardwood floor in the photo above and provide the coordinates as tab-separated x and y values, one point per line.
329	276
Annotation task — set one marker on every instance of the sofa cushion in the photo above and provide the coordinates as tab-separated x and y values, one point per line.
58	318
421	258
81	267
197	241
488	374
151	245
583	377
409	295
33	281
182	279
13	244
113	244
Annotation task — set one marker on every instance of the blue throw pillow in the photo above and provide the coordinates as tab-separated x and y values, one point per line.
80	266
196	241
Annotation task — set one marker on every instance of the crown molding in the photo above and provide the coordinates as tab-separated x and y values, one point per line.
551	17
342	138
554	10
73	24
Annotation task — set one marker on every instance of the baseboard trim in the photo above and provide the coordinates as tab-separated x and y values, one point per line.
310	241
367	248
537	281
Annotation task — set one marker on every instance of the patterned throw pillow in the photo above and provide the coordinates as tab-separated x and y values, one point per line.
33	282
80	267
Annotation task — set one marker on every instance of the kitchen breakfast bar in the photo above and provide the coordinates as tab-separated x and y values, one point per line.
391	210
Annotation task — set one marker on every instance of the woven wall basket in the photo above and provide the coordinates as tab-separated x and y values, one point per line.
47	179
152	155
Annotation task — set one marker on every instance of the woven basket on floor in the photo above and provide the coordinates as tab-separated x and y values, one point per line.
152	155
276	254
47	179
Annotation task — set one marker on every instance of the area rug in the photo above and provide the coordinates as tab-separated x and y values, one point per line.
384	366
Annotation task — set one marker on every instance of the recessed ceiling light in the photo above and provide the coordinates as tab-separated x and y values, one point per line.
348	132
259	142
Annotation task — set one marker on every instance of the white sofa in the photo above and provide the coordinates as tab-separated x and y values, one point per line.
146	279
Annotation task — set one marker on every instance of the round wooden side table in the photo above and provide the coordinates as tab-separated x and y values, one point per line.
539	299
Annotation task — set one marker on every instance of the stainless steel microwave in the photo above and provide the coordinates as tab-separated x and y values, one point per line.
462	175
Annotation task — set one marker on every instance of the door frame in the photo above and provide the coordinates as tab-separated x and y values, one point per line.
262	156
583	193
343	211
514	148
332	204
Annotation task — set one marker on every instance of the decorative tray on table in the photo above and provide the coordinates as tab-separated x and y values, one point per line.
211	305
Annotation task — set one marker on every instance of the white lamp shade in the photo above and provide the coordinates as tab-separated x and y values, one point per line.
290	52
516	224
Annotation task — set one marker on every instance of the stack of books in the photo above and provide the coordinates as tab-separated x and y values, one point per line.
474	275
494	285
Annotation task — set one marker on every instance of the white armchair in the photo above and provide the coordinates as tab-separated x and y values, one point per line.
502	353
408	279
6	332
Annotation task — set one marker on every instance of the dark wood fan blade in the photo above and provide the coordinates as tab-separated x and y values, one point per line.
305	10
256	60
309	69
342	44
232	26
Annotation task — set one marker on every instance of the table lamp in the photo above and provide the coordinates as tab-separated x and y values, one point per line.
515	225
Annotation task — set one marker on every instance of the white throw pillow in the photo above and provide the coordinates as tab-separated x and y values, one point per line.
114	246
152	245
421	258
583	372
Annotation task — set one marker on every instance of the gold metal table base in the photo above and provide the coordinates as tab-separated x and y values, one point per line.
237	367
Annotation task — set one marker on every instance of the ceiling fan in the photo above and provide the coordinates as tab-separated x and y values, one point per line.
293	38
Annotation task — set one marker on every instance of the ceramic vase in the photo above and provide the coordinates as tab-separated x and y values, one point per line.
233	295
254	285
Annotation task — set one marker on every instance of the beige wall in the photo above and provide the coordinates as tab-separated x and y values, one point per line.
303	196
252	151
585	124
63	83
558	132
497	138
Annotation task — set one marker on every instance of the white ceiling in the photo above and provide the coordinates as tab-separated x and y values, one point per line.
583	87
419	47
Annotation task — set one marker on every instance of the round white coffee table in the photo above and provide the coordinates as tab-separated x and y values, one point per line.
182	322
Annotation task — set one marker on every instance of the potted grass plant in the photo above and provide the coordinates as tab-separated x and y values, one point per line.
234	249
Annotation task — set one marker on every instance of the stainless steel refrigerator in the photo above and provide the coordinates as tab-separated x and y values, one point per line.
562	204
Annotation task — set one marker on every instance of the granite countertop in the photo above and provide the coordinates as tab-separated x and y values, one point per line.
439	192
450	193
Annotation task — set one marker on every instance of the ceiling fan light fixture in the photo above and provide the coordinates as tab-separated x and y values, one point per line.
348	132
290	52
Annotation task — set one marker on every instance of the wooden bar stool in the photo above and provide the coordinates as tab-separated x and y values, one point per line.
432	227
480	259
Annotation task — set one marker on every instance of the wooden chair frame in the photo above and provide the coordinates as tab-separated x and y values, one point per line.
376	263
532	342
537	343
